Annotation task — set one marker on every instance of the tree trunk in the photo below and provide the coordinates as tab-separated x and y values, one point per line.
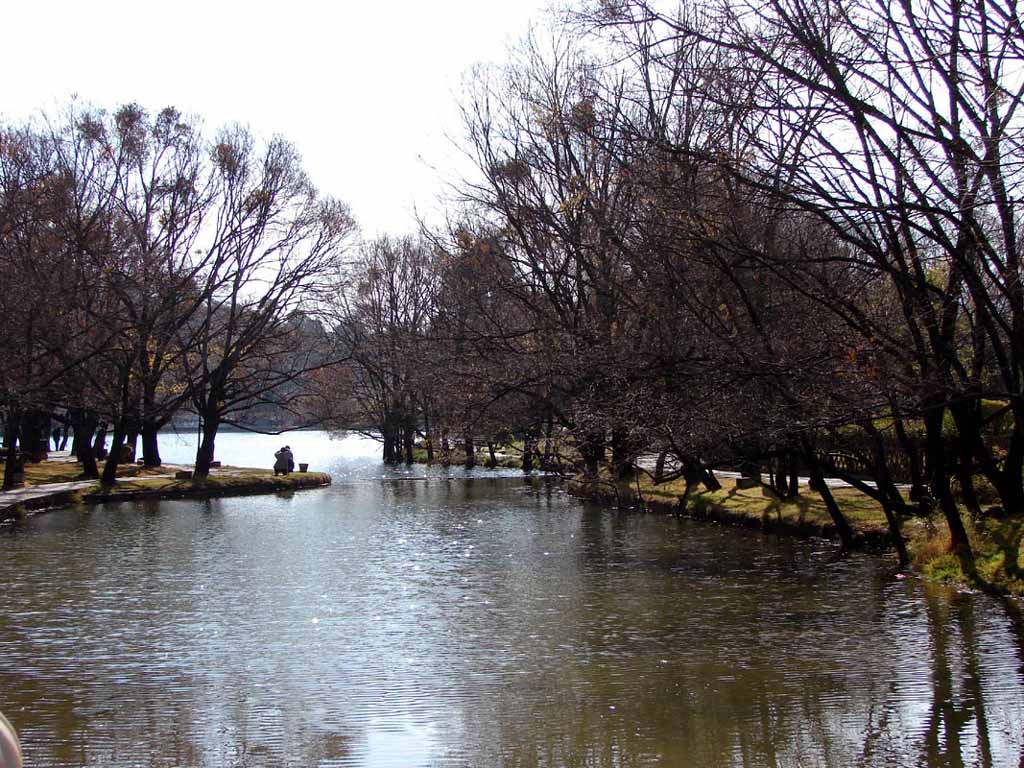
965	478
750	470
1010	483
427	437
939	485
84	424
896	533
1011	494
794	477
591	449
470	452
12	466
659	467
492	459
547	460
622	456
150	444
392	434
838	518
1007	475
917	479
35	436
777	476
131	440
205	453
100	442
711	481
889	493
114	457
527	454
409	442
967	417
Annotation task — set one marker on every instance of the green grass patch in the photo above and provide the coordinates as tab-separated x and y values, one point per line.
46	472
807	509
134	481
998	546
237	482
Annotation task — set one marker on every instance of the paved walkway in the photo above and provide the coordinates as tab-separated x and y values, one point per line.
33	493
16	496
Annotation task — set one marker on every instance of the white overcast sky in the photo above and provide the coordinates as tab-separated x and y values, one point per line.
366	91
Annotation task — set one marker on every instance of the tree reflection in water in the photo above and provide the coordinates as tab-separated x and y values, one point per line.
408	619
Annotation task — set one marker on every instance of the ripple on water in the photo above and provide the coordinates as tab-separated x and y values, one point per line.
420	620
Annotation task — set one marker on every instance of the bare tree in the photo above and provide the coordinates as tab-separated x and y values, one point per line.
548	135
52	220
164	192
274	252
899	129
383	318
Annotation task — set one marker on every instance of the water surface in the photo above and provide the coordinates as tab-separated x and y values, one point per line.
432	617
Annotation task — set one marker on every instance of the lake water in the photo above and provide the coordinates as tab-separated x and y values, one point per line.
249	449
433	617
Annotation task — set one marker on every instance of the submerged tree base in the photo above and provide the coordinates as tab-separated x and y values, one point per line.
456	457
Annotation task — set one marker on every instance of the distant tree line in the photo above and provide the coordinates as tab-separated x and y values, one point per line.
776	236
147	270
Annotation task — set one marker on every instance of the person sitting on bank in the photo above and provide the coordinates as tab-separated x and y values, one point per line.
283	461
291	458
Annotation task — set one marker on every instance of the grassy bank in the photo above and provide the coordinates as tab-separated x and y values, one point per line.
998	543
47	472
236	482
69	486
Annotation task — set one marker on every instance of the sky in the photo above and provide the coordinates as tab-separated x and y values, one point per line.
368	92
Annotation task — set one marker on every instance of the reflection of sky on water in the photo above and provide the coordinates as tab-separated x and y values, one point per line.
408	617
398	740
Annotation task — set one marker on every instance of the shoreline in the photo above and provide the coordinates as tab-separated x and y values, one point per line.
214	487
998	543
227	481
871	539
